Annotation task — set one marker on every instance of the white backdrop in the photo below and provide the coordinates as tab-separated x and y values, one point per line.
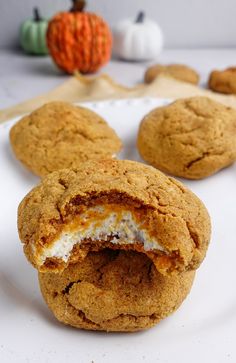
186	23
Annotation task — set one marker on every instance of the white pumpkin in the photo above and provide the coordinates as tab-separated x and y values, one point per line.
138	40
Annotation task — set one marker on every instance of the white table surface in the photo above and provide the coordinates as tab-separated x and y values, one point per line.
23	76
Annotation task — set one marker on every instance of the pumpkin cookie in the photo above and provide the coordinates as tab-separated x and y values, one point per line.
114	204
178	71
113	291
223	81
59	135
191	138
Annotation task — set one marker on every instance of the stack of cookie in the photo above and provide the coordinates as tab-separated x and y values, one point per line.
117	242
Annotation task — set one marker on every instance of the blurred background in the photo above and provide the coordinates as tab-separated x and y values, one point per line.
197	33
185	23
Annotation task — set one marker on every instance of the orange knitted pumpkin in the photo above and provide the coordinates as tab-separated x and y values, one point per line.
78	40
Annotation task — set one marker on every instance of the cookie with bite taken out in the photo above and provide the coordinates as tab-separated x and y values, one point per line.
113	232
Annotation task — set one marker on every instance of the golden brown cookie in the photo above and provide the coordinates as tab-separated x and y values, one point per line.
113	204
59	135
191	138
223	81
114	291
178	71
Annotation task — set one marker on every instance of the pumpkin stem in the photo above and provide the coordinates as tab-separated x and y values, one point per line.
78	5
37	16
140	17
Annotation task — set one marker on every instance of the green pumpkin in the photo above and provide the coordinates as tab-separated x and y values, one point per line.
33	35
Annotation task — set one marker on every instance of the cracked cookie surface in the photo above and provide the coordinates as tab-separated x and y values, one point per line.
59	135
114	291
223	81
84	209
177	71
191	138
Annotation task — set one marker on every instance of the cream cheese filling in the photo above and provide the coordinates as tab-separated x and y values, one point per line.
117	227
